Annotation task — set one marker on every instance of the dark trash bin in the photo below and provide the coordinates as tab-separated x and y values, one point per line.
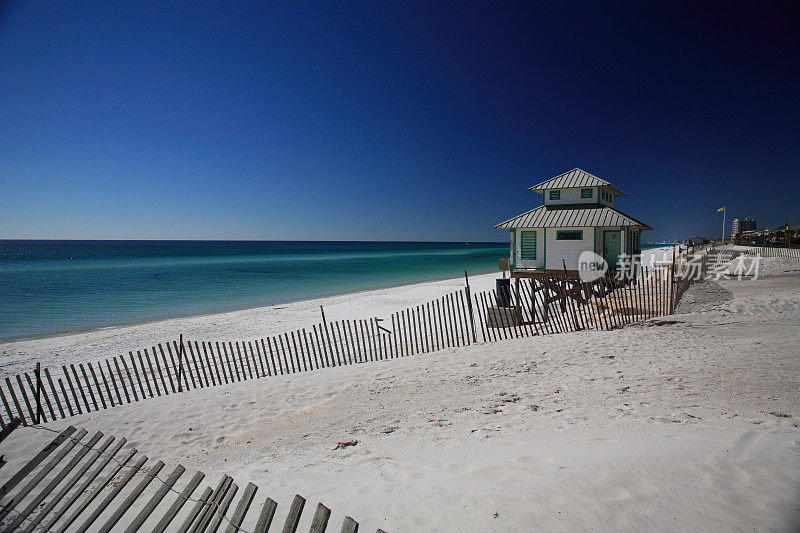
504	292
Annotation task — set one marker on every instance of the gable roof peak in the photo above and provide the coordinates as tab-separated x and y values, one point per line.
572	179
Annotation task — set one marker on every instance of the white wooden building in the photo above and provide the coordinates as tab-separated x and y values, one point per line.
579	213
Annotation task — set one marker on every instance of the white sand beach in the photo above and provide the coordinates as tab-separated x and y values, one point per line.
688	422
20	356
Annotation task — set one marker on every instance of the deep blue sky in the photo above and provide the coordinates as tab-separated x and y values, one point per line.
389	121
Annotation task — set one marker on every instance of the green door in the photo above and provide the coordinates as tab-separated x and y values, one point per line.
611	247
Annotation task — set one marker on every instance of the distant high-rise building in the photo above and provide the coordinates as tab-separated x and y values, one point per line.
743	224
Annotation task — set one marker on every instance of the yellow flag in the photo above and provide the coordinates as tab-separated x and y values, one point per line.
721	209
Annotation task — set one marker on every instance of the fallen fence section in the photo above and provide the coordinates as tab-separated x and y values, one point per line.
80	484
557	302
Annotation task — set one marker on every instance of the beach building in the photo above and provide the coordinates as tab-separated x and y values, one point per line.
741	225
579	213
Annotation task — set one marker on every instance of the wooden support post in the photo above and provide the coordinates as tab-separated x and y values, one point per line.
328	337
672	285
37	373
183	358
469	303
37	397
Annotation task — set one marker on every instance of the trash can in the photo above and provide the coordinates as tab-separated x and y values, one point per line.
504	292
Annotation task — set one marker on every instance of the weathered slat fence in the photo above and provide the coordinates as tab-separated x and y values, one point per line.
555	303
182	365
88	485
767	251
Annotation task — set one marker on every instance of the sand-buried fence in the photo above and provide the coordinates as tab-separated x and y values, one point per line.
786	253
556	303
80	483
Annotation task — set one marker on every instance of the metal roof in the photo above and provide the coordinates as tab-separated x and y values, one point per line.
574	215
573	179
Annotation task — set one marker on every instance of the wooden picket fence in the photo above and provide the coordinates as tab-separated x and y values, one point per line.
181	365
555	303
86	485
766	251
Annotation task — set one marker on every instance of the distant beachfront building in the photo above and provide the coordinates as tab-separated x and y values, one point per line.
741	225
578	214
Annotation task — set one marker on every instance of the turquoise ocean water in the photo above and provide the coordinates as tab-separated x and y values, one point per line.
51	287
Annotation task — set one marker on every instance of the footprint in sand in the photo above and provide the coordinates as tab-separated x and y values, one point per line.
486	432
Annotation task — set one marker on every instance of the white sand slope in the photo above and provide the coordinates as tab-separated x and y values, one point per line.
20	356
685	423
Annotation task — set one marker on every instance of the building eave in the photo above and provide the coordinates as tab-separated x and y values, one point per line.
572	215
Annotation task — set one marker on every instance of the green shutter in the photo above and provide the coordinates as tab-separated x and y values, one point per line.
528	239
586	193
555	195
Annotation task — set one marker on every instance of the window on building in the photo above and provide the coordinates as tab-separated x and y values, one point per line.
586	193
569	235
528	242
555	195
